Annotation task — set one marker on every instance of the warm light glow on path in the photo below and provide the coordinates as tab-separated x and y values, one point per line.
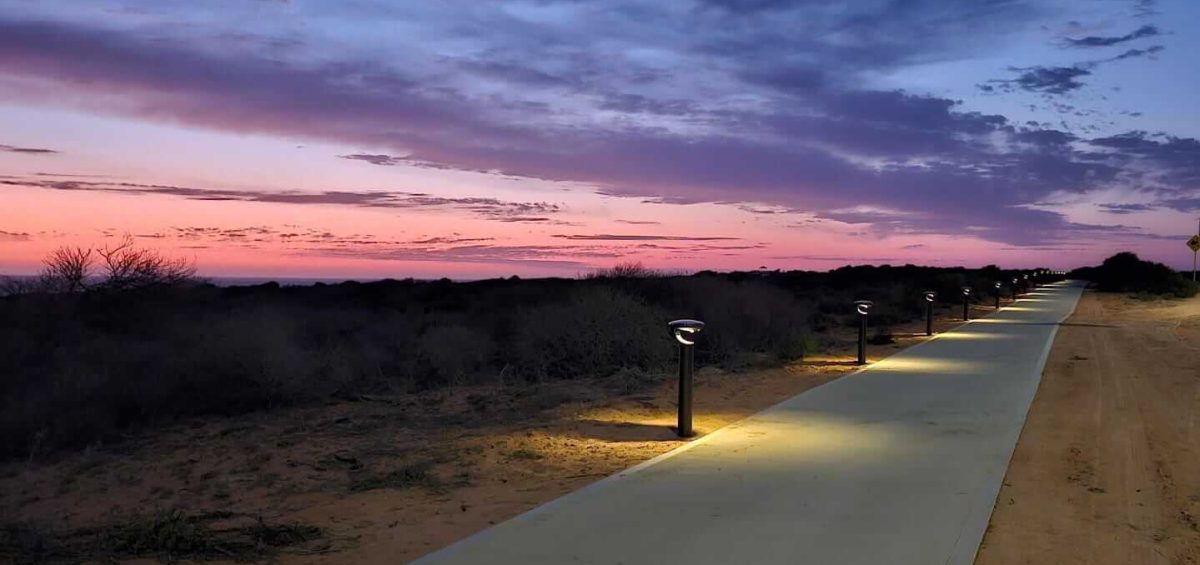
898	463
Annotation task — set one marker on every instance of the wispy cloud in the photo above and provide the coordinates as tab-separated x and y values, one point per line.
1124	208
27	150
1106	41
633	237
490	208
638	222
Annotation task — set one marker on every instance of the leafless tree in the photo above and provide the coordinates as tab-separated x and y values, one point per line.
127	266
67	269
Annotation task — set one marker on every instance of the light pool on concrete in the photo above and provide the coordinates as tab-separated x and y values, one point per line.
897	464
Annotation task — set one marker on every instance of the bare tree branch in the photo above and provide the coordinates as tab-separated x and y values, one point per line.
127	267
67	269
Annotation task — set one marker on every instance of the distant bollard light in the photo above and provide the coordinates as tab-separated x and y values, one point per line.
929	297
864	308
1015	288
685	333
966	292
998	285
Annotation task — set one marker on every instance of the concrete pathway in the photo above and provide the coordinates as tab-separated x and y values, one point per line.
897	464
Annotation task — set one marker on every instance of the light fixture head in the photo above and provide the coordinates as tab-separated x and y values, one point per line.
863	306
686	330
966	290
930	295
997	284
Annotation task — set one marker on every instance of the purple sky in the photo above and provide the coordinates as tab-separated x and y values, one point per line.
474	138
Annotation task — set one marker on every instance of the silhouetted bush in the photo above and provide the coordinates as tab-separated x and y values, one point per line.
1126	272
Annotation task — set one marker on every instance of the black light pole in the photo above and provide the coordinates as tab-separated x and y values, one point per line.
997	295
1025	282
1016	290
929	296
863	307
685	333
966	291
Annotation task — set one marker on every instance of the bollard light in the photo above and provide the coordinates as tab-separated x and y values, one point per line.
1015	290
966	292
998	285
929	296
864	308
685	333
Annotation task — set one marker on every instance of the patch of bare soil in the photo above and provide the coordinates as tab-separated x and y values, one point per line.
1107	469
382	479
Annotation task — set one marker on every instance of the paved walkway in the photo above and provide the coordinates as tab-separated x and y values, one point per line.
897	464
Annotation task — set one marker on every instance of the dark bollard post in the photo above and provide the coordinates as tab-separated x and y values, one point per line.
1025	282
685	333
966	291
1015	290
929	296
998	295
863	307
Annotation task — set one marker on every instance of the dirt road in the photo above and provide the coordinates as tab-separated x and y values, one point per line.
1107	469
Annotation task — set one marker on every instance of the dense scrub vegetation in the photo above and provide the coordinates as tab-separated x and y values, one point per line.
1126	272
87	363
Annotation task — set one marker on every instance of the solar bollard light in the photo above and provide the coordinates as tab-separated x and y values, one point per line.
864	308
685	333
997	295
966	292
929	296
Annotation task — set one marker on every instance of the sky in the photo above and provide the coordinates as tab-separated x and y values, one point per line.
474	138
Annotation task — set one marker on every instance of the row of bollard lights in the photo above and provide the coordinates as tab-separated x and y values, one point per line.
686	331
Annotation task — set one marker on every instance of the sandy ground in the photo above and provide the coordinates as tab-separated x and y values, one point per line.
388	479
1107	469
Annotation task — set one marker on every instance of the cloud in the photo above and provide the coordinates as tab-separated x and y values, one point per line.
382	160
1124	208
1186	204
1060	80
27	150
1050	80
1103	41
14	236
617	237
296	240
1135	53
489	208
721	113
842	259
